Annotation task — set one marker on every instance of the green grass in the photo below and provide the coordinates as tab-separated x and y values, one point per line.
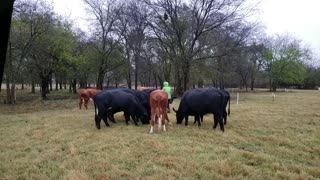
263	139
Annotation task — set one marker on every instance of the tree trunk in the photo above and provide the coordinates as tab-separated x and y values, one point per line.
74	86
44	87
50	83
33	89
186	74
57	84
83	84
178	85
60	83
185	81
160	81
65	84
70	86
8	91
129	79
100	79
22	85
155	79
13	93
136	77
100	82
10	77
200	83
252	83
274	86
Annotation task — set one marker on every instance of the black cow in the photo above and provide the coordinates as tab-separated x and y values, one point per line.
226	99
149	91
198	102
143	99
113	101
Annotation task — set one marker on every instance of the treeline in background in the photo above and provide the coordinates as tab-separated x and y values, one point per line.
197	43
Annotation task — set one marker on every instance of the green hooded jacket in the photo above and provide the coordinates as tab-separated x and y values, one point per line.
167	89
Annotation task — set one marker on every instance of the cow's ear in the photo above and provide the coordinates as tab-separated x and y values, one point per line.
174	110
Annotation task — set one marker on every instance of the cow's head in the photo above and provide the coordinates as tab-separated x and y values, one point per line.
145	118
143	114
179	116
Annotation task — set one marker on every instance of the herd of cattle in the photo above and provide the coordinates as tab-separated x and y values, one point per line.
149	105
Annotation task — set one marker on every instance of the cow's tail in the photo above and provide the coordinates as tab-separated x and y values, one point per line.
229	107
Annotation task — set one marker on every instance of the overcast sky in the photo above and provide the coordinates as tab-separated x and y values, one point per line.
301	18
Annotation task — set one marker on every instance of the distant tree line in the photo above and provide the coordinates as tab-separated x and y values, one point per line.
144	43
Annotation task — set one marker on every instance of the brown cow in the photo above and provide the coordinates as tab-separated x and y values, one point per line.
87	94
158	104
144	88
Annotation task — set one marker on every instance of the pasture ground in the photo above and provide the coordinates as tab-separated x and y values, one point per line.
263	139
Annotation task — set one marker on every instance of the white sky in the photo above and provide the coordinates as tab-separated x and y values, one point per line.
301	18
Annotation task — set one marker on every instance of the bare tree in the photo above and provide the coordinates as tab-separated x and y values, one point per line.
30	20
105	17
179	27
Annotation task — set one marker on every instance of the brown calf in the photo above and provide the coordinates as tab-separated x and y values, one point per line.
158	104
87	94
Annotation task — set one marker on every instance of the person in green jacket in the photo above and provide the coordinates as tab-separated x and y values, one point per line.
167	89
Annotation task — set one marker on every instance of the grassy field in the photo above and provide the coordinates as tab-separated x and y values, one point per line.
263	139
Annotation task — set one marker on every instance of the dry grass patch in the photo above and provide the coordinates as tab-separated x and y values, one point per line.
264	139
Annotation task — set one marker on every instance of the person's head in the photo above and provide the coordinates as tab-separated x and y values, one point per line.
165	84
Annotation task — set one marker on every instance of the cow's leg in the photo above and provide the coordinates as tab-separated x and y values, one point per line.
225	117
197	118
111	117
106	121
86	103
152	119
152	123
201	116
221	123
80	103
163	118
159	122
186	119
98	120
134	119
127	118
138	118
215	121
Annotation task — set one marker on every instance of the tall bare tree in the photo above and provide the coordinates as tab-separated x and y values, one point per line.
179	27
105	33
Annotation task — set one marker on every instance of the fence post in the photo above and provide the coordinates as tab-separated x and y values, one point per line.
237	98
